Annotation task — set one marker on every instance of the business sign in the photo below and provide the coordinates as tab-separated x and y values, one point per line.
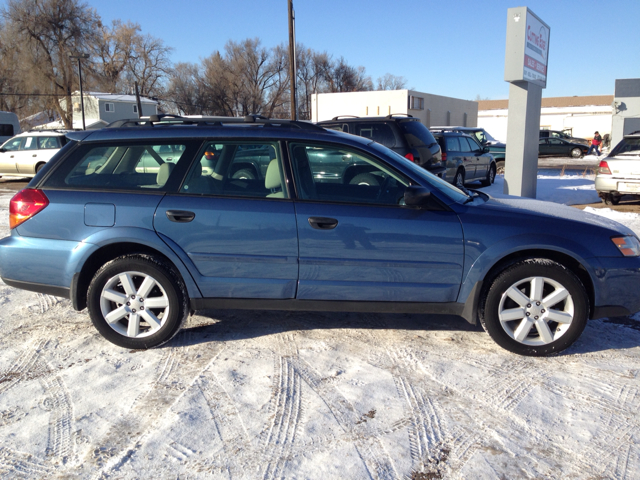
527	52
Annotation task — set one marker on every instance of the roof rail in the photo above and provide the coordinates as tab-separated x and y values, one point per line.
344	116
391	115
169	119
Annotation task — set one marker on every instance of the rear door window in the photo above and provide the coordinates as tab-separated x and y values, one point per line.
115	167
237	169
48	142
453	144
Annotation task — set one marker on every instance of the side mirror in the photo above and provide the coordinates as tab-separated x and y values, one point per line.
486	149
416	195
2	150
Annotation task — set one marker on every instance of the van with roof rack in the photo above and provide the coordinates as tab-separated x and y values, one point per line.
401	133
140	249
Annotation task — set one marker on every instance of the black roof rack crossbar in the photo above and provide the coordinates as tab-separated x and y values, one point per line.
168	119
344	116
391	115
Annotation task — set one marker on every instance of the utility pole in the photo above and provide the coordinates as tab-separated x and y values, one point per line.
292	60
79	57
138	100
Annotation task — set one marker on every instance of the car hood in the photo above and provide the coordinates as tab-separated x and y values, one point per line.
560	215
497	144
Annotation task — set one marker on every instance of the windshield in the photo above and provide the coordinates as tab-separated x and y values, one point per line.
427	179
627	145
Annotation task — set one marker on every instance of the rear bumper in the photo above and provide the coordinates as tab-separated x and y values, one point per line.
609	184
41	264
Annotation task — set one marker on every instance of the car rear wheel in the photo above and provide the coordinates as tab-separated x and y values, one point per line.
576	152
491	176
458	180
610	199
137	301
535	307
365	179
245	174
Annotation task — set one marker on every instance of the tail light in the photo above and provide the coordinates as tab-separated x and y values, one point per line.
410	156
444	156
25	204
603	168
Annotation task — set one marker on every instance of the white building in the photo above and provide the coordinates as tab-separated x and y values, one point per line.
100	109
626	108
579	116
430	109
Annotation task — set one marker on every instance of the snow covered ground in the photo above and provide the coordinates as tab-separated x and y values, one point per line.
315	395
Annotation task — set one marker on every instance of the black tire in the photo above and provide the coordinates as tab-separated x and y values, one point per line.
491	176
573	309
168	288
245	174
39	167
500	167
458	180
610	199
365	179
576	152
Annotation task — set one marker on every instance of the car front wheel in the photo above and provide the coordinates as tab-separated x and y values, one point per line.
458	180
491	177
576	153
137	301
535	307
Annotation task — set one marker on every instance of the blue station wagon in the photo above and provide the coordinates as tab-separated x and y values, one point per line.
142	245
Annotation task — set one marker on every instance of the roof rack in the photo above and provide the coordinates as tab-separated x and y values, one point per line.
391	115
344	116
168	119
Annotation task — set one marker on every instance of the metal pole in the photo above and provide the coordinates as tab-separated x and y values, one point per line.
292	60
84	127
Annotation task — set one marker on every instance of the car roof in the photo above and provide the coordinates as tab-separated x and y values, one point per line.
43	133
462	129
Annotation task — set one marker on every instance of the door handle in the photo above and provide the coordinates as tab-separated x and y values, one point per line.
180	216
323	223
34	155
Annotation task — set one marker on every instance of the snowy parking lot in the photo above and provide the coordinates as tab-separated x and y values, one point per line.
241	394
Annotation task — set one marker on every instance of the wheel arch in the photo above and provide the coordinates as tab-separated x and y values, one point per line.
106	253
478	290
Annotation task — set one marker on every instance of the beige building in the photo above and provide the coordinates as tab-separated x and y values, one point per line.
579	116
430	109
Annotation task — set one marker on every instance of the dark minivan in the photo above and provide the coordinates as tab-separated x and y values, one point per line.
404	134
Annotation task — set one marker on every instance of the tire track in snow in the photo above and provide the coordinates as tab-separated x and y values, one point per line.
287	396
178	370
22	465
25	367
59	445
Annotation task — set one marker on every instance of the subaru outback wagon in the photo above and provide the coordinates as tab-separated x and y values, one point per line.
141	250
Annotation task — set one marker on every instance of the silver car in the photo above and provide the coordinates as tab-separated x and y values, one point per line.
25	154
619	173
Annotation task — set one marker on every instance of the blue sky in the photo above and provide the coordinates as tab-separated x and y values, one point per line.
454	48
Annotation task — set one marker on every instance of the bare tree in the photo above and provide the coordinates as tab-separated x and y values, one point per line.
342	77
185	89
49	31
391	82
148	64
112	54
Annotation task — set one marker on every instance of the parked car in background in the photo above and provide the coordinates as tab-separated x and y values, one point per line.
403	134
465	159
619	173
496	147
142	250
9	126
25	154
559	147
563	136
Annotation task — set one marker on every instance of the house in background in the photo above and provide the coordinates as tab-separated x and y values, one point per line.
578	116
430	109
100	109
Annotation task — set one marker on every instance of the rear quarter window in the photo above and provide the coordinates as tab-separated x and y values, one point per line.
118	167
378	132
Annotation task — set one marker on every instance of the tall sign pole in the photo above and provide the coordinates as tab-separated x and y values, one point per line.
292	60
525	67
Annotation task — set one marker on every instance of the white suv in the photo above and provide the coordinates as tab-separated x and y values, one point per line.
619	173
25	154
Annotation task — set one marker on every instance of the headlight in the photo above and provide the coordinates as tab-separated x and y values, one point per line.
628	246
